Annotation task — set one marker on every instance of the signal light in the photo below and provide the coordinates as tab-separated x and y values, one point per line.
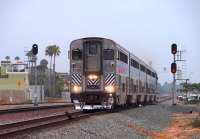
174	48
35	49
173	68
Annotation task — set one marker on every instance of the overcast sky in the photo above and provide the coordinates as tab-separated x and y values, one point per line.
145	27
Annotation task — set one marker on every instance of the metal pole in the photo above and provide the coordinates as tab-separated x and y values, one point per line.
174	85
36	98
173	91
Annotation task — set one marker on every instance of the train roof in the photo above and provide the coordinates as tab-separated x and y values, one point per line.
140	61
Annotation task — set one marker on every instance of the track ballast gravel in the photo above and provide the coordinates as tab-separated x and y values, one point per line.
120	125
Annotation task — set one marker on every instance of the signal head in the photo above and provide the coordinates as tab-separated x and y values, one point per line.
174	48
35	49
173	68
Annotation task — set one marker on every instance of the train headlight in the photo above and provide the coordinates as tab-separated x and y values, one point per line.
76	89
110	88
92	77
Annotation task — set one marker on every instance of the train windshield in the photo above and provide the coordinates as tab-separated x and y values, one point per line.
93	49
108	54
76	54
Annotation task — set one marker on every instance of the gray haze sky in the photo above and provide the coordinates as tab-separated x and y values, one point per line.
145	27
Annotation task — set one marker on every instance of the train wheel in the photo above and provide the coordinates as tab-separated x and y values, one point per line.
85	110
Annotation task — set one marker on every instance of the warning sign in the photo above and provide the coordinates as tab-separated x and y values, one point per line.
18	84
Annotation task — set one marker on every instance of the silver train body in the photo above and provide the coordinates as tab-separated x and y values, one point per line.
105	75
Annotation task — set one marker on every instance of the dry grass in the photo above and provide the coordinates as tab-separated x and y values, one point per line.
180	127
196	122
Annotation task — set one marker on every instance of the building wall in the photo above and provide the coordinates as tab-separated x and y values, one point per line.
12	97
13	82
13	87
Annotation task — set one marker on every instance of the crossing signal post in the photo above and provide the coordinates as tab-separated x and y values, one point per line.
173	70
35	52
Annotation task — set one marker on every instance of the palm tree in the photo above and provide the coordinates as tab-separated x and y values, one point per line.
7	58
49	52
52	51
56	52
17	58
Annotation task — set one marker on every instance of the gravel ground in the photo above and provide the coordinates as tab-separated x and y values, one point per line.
152	117
120	125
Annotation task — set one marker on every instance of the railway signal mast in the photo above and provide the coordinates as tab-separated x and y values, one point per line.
173	69
177	57
35	52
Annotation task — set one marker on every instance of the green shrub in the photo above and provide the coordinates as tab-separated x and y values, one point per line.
196	122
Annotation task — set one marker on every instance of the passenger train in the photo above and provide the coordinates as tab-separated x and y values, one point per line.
105	75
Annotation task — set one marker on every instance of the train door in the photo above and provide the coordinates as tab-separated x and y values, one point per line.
128	91
121	94
92	56
92	65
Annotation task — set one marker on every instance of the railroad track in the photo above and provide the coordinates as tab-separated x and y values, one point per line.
42	122
32	108
163	99
11	129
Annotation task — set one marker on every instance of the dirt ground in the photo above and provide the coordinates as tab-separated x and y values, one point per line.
179	128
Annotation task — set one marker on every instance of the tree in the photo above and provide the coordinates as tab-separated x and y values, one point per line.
7	58
191	87
17	58
44	63
52	51
59	85
43	77
56	52
49	52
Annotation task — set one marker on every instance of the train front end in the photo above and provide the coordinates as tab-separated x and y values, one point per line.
92	70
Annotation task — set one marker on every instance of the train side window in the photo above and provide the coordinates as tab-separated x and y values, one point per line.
123	57
134	64
142	68
76	54
108	54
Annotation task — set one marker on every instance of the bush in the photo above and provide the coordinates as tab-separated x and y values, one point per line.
196	122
